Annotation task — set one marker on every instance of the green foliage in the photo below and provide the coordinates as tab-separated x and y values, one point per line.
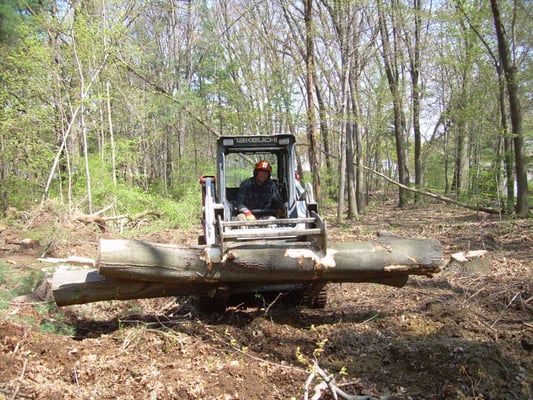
54	321
23	193
485	185
331	184
28	282
179	206
474	381
12	13
8	18
15	281
4	269
58	327
170	87
183	209
27	113
187	210
433	171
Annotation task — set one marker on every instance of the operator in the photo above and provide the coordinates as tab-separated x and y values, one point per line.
258	192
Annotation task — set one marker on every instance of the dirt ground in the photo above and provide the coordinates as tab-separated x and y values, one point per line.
466	333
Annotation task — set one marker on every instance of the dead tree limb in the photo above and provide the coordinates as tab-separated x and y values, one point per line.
328	383
101	220
436	196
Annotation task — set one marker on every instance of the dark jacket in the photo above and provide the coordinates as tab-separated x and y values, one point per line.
253	196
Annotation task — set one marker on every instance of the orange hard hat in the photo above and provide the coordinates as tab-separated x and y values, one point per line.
263	165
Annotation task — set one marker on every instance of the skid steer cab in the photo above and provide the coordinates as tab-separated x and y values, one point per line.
236	159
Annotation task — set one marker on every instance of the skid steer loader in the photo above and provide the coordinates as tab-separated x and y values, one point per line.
238	262
300	221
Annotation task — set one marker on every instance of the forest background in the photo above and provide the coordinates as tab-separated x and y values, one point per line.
118	104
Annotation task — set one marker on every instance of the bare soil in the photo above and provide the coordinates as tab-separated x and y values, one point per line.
466	333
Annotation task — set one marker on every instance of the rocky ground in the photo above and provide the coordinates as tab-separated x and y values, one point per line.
466	333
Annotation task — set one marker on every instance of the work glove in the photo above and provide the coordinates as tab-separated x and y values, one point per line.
249	216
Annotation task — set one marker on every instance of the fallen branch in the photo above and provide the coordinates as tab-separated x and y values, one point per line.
24	366
436	196
328	383
26	243
517	295
18	394
101	221
103	210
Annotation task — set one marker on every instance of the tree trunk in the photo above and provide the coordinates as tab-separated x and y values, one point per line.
325	135
415	74
344	132
130	269
358	140
353	213
462	161
311	123
522	202
4	176
391	59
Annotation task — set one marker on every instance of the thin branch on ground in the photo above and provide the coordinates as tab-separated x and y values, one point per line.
21	377
23	395
267	309
517	295
328	383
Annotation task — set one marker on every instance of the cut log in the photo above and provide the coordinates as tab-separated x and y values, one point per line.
129	269
87	286
272	262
